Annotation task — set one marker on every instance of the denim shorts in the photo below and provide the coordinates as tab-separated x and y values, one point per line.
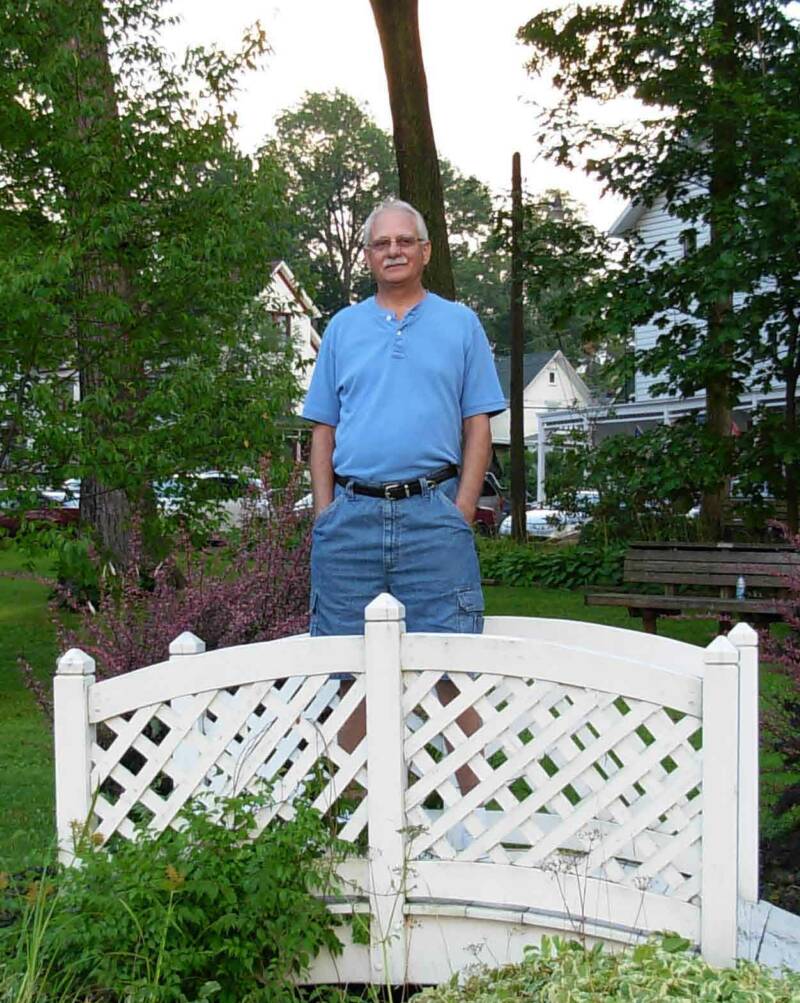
420	549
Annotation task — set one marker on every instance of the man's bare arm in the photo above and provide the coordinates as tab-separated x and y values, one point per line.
323	438
477	453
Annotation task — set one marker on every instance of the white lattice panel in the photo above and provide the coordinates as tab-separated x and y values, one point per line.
568	776
147	764
582	788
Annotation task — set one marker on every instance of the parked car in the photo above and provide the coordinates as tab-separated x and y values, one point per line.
305	505
213	490
67	496
547	523
45	512
490	507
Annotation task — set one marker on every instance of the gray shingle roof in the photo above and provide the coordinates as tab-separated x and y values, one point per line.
532	365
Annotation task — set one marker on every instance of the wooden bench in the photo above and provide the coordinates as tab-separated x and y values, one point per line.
701	578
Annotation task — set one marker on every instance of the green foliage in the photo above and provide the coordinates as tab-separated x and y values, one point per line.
780	761
646	484
565	263
213	910
563	567
339	165
717	140
134	239
560	971
763	451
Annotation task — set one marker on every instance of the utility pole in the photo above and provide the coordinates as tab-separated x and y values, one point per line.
517	427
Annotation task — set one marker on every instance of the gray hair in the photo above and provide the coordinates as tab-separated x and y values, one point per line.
395	204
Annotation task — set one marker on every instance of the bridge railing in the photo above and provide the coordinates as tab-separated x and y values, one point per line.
613	776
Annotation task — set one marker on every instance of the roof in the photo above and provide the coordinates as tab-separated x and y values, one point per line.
532	365
628	218
279	267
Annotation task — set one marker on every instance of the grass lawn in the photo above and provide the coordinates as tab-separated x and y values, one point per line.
26	757
564	605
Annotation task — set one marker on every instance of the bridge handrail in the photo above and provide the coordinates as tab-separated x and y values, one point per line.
642	699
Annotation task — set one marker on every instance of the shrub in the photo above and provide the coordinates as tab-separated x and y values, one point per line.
646	483
561	567
780	777
254	588
212	909
566	971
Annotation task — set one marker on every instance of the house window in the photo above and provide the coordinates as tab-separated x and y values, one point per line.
283	324
688	241
552	379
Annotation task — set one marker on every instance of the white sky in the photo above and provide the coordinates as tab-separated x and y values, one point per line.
480	94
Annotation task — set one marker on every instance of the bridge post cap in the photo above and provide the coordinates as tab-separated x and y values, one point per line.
743	635
75	663
385	607
187	643
720	652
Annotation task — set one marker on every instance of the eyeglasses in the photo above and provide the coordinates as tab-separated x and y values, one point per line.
384	244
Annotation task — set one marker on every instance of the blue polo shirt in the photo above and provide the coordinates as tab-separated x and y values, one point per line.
398	390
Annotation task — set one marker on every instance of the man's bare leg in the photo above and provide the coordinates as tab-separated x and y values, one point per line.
468	721
355	727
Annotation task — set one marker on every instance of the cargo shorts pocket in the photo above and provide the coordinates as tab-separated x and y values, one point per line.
470	611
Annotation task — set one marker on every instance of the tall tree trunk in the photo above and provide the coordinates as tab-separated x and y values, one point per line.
792	467
722	191
415	147
94	110
519	528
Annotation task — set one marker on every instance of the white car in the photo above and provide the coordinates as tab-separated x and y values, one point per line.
304	505
67	496
213	489
547	523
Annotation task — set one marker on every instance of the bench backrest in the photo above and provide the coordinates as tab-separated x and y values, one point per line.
718	567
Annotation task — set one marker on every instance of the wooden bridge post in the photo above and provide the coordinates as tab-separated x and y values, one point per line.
74	736
386	772
718	918
745	640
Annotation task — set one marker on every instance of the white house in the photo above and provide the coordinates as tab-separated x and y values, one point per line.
654	224
551	384
295	314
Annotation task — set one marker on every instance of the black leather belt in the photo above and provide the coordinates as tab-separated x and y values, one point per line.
395	490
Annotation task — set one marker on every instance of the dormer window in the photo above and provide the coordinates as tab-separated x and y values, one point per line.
552	378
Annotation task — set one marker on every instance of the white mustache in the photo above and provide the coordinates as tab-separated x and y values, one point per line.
397	261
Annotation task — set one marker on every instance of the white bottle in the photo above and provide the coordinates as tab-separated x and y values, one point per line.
740	587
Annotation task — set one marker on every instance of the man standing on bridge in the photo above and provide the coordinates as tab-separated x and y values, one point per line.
401	397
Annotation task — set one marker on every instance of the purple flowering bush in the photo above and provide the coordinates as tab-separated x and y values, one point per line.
784	649
253	588
780	752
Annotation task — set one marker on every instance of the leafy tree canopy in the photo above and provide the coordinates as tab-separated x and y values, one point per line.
718	143
134	238
340	164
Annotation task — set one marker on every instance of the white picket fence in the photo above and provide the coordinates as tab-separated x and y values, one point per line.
617	771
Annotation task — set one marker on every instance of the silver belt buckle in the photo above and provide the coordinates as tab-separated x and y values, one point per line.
388	488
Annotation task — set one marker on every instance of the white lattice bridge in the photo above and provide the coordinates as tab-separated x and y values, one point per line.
616	794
